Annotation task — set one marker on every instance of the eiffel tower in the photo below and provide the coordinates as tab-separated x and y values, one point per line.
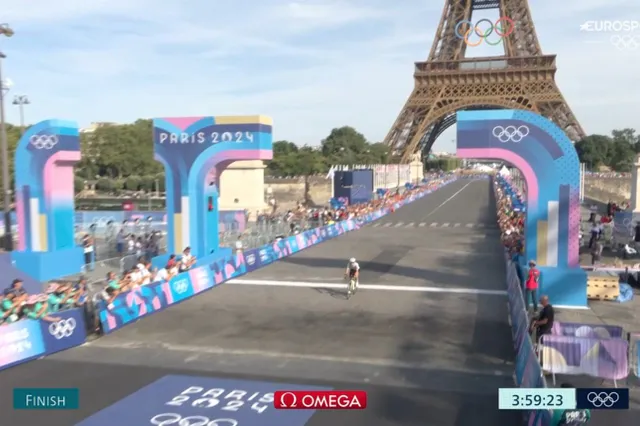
522	78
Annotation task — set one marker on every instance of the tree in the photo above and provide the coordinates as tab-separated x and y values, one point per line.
345	145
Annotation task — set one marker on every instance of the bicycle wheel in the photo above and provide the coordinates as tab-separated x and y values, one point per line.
354	286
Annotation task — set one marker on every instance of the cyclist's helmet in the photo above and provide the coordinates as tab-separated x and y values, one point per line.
352	260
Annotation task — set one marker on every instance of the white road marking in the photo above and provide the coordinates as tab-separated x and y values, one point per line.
469	225
422	224
447	200
409	225
434	224
388	224
399	224
416	289
444	225
456	225
375	225
214	350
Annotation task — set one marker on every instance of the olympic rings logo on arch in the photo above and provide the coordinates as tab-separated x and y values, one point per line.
503	27
43	141
510	133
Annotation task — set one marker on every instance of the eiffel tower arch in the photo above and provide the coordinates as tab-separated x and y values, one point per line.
522	78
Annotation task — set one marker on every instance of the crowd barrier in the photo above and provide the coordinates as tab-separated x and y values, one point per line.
598	350
28	339
528	373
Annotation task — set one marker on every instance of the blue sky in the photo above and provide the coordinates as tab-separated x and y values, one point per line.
311	65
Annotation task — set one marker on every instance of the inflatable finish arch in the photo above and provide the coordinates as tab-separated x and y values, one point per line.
550	166
44	162
194	152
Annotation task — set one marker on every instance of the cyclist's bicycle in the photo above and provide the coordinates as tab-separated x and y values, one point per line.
353	286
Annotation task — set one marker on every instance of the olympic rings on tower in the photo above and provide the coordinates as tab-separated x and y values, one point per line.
510	133
503	27
43	141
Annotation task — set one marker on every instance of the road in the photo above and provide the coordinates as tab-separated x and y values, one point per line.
426	336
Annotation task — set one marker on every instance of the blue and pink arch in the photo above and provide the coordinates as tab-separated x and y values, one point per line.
550	166
44	161
194	152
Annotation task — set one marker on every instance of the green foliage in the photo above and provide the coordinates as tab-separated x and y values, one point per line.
445	164
78	184
344	145
616	152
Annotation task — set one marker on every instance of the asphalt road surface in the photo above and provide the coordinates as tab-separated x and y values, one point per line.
426	335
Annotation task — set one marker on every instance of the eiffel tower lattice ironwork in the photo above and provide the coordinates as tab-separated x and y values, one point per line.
522	78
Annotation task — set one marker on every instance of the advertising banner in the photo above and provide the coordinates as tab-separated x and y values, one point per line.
29	339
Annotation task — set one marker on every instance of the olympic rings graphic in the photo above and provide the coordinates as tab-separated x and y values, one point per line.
626	42
503	27
510	133
180	286
43	141
63	328
603	399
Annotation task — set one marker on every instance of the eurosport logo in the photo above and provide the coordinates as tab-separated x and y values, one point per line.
610	26
510	133
483	29
181	286
63	328
603	399
43	141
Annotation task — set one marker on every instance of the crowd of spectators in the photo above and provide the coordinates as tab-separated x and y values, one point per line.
17	304
511	222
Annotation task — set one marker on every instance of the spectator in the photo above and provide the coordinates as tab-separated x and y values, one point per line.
36	307
87	244
121	239
58	296
238	245
8	308
533	279
17	287
596	252
187	260
544	323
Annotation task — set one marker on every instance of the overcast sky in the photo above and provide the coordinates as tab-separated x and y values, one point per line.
311	65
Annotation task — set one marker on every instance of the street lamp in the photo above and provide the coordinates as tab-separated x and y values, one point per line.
21	101
5	30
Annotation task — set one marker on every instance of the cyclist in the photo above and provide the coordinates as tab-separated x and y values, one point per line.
353	271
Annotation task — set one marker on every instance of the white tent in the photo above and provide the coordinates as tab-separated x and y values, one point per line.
504	171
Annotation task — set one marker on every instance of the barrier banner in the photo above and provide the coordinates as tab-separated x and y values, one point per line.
603	358
20	342
28	339
601	331
135	304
